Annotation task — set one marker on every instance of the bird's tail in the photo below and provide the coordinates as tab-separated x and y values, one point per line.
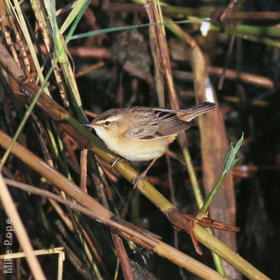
189	114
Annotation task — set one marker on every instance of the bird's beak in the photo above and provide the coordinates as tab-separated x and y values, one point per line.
88	125
91	125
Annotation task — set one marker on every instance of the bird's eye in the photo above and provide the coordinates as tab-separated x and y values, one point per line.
107	123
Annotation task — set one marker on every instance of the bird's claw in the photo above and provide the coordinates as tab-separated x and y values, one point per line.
115	161
137	179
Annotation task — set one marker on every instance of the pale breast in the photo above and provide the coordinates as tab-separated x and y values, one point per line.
141	150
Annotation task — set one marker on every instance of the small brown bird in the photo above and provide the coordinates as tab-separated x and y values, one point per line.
144	133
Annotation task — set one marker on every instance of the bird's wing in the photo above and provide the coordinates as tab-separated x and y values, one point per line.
170	124
159	124
144	129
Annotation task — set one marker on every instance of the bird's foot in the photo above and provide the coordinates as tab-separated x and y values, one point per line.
115	161
137	179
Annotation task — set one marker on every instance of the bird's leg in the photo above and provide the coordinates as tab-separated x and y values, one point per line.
143	175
